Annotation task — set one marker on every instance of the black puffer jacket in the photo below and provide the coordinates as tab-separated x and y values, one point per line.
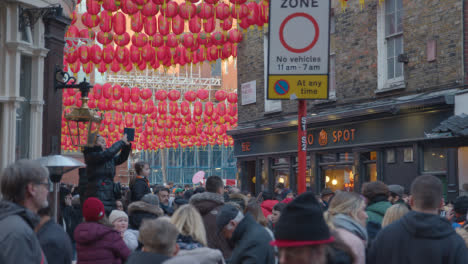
100	172
139	188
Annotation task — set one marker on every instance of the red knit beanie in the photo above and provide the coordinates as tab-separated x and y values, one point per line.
93	209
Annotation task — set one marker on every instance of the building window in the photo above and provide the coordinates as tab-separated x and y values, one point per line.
435	160
332	78
216	68
23	112
390	44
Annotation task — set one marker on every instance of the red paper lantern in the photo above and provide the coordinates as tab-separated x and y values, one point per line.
190	96
135	54
184	108
187	10
129	7
87	34
75	67
108	54
170	10
135	94
129	67
232	98
205	11
122	40
173	107
173	95
148	54
150	9
163	25
203	94
162	107
178	25
188	41
84	54
240	11
107	90
222	11
195	25
102	104
105	38
121	54
226	51
119	23
163	53
204	40
88	68
209	26
89	20
102	67
129	120
95	54
149	107
110	6
146	94
151	26
93	7
213	53
244	24
232	109
254	13
264	12
116	92
139	40
106	22
136	23
161	95
220	95
126	94
218	39
227	24
158	40
172	41
197	108
235	36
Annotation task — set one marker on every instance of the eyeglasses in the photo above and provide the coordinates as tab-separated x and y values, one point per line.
47	184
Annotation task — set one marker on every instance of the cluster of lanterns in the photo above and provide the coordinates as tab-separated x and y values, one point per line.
344	3
161	120
159	35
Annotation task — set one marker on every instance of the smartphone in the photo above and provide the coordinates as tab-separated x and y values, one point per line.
130	133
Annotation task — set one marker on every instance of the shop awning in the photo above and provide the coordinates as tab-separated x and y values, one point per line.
454	126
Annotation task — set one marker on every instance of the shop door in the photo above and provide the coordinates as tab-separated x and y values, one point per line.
337	171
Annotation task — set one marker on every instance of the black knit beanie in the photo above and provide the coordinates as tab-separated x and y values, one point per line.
301	223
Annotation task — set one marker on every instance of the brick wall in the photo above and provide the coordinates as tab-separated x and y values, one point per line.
355	46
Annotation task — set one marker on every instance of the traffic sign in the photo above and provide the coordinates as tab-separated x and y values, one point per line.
298	49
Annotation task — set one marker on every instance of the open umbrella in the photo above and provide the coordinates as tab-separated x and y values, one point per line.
198	177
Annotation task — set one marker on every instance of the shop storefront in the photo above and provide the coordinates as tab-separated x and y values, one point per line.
394	149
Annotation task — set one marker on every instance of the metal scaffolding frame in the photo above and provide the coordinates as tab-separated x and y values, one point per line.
183	80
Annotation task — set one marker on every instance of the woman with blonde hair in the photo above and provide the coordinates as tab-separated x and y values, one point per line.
192	236
394	213
346	215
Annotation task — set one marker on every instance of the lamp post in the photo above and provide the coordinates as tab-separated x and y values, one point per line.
80	118
58	165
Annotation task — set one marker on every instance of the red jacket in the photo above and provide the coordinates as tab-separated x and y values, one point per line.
267	207
99	244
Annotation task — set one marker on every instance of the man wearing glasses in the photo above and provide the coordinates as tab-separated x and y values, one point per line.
24	189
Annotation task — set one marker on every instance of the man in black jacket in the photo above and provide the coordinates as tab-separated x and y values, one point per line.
100	170
421	236
250	239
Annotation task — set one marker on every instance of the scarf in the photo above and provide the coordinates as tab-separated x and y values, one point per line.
351	225
144	178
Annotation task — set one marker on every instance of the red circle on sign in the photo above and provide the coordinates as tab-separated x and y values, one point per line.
311	45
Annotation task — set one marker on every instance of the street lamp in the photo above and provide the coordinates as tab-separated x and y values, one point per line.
58	165
82	123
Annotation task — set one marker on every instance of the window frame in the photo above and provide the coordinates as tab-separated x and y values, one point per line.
384	82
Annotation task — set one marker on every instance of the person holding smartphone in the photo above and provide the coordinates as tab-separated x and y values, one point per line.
100	170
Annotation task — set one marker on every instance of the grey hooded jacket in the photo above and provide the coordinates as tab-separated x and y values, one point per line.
18	241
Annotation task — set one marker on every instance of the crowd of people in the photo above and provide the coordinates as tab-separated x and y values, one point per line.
218	224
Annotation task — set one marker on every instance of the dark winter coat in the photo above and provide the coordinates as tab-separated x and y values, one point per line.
71	218
418	238
146	258
252	243
55	243
18	242
100	172
139	188
376	211
137	211
99	244
208	205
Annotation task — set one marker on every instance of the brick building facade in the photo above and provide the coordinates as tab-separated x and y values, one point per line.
396	69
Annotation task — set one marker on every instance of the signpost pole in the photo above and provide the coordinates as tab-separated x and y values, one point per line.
301	146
